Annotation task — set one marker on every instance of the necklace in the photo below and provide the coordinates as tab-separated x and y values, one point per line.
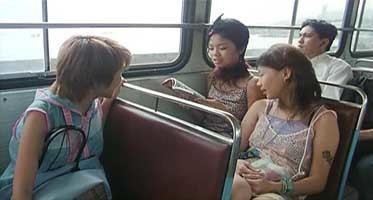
277	124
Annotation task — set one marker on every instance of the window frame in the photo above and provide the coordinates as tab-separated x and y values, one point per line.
359	19
19	80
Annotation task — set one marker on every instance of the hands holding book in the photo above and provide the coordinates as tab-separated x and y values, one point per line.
181	90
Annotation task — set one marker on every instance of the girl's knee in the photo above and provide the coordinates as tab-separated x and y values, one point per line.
269	196
240	189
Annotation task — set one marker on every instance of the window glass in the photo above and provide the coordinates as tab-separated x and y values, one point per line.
364	39
109	11
368	15
148	45
277	13
330	10
21	50
261	39
254	13
140	41
20	11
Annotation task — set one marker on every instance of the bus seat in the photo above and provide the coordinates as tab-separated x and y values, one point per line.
147	156
363	78
349	121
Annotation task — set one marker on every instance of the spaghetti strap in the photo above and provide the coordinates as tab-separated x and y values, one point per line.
248	80
269	105
313	114
320	113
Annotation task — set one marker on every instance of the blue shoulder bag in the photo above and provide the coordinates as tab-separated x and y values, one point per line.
68	181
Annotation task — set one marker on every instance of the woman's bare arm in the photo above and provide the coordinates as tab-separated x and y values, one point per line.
249	122
253	92
366	135
325	145
32	139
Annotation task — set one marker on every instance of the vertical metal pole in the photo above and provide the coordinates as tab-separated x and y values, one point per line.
359	25
293	21
45	36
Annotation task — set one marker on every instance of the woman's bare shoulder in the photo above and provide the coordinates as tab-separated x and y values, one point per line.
326	120
260	104
326	114
247	81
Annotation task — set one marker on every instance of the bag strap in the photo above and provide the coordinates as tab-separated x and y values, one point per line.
62	130
65	129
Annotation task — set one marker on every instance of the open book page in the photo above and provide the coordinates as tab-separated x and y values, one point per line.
181	89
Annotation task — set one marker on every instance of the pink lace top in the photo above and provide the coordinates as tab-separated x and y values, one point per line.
289	149
234	100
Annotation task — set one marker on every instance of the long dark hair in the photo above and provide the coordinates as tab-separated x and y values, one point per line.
238	33
305	90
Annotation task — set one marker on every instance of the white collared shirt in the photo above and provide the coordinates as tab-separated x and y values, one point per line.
331	69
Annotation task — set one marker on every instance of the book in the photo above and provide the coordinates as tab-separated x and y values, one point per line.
181	89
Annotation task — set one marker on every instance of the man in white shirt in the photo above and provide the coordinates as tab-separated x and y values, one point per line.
315	38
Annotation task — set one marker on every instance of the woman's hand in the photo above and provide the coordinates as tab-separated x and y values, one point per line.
245	169
117	89
259	184
106	102
255	178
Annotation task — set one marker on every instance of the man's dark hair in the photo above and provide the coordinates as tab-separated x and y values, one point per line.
323	29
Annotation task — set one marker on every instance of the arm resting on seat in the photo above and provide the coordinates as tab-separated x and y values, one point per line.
366	135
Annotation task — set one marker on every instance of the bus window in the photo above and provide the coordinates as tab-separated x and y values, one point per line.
35	50
20	44
363	39
330	10
287	13
149	46
257	13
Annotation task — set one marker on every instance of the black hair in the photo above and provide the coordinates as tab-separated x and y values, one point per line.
238	33
232	30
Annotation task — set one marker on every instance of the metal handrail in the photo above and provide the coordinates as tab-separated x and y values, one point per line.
34	25
235	141
98	25
363	60
363	104
362	69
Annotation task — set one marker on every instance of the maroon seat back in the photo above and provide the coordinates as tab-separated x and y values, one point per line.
147	156
347	120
